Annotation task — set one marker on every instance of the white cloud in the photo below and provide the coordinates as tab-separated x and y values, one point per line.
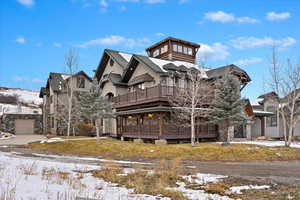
27	3
23	79
57	44
248	61
155	1
39	44
36	80
19	78
103	3
216	51
223	17
273	16
20	40
253	42
219	16
160	34
115	40
247	20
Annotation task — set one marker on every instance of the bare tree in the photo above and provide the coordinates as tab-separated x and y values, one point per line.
192	101
71	63
285	82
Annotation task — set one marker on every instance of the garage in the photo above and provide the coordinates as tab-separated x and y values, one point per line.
24	126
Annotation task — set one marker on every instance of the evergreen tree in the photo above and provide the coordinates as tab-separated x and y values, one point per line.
93	106
228	108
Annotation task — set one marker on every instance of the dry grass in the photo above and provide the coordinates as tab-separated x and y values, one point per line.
116	149
143	182
276	192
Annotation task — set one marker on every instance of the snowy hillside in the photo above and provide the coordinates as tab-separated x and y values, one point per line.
25	96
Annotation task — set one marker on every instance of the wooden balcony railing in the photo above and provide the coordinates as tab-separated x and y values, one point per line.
151	94
156	93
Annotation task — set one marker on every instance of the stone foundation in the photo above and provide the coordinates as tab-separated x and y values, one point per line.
161	142
7	122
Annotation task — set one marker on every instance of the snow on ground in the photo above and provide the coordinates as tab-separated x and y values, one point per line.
30	178
198	194
26	96
267	143
238	189
45	178
90	159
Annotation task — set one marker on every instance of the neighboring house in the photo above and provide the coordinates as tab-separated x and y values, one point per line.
140	88
267	121
55	99
20	112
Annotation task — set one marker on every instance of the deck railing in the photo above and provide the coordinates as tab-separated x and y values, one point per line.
151	94
158	92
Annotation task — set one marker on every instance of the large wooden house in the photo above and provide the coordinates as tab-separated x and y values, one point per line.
140	88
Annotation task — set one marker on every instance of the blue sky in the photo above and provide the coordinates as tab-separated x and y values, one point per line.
35	34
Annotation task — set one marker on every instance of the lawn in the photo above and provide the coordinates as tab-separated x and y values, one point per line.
116	149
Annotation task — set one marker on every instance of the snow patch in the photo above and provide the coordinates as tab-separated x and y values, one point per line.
198	194
126	56
204	178
238	189
28	178
267	143
26	96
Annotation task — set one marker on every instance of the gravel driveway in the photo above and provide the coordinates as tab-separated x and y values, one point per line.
22	140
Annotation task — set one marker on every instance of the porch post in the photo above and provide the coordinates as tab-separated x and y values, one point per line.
262	123
161	124
248	130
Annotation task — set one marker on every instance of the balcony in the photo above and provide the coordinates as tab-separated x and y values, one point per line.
157	93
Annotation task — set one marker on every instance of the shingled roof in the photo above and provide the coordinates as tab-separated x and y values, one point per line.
228	69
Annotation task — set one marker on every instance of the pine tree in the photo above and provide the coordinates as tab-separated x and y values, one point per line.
93	106
228	108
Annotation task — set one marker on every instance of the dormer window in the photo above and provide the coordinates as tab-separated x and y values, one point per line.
111	62
190	51
80	82
156	53
164	49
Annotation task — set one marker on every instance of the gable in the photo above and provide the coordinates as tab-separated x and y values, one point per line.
141	70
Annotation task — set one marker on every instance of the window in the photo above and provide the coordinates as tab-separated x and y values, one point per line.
185	50
111	62
156	53
272	120
175	47
52	122
80	82
190	51
179	48
51	99
141	86
164	49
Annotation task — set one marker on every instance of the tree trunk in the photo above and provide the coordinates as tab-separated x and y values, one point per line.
192	129
284	128
97	129
230	132
70	107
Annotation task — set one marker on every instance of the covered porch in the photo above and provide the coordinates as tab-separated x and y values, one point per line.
157	123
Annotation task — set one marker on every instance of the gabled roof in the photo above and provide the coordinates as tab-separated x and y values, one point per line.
83	74
267	95
228	69
119	57
56	80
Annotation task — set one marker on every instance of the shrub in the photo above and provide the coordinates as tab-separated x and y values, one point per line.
85	128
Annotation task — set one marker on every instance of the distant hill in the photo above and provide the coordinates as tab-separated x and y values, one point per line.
17	95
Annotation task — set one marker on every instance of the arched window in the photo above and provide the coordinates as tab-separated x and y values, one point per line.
109	96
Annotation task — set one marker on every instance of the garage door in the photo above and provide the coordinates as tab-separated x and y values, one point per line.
24	126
